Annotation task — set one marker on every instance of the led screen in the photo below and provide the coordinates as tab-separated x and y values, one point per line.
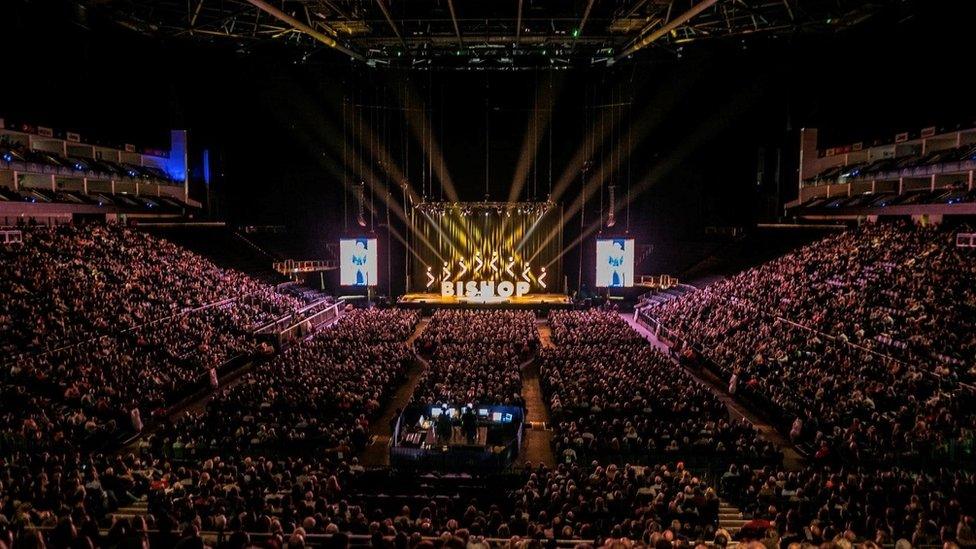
615	262
357	257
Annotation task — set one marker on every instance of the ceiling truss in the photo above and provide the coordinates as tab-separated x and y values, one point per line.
482	34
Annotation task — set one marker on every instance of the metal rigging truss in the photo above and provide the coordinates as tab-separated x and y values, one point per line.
481	34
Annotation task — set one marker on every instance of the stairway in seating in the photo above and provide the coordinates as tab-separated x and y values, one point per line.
136	509
730	517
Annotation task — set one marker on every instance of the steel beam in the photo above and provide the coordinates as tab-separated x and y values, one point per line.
586	15
670	26
393	25
518	24
302	27
457	29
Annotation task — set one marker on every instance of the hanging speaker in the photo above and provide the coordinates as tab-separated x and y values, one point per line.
361	200
611	220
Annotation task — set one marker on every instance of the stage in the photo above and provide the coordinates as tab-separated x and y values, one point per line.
531	301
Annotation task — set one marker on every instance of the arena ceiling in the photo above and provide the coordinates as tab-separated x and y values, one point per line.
482	34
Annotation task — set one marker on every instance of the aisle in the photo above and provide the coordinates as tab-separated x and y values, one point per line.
792	460
537	441
377	452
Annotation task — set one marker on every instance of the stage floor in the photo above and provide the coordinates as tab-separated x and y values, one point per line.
526	301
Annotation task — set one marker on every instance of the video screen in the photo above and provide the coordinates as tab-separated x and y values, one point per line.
357	262
615	262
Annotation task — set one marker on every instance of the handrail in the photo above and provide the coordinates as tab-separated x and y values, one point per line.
287	317
292	266
298	329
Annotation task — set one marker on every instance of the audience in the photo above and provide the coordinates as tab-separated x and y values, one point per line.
859	347
802	337
818	503
71	283
316	398
475	356
613	396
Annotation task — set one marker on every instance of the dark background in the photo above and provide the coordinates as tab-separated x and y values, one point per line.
273	121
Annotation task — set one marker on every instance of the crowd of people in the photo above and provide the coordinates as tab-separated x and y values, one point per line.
614	396
860	345
928	507
645	505
296	418
475	356
112	382
70	283
116	325
273	452
319	393
103	329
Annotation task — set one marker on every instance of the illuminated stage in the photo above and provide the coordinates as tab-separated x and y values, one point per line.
530	301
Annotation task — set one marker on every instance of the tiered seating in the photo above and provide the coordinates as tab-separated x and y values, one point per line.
879	319
11	153
70	283
817	504
861	169
321	392
614	397
662	504
826	339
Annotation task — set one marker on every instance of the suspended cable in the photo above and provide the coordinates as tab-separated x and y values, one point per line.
487	136
603	168
535	135
372	180
552	121
345	174
440	140
630	103
587	140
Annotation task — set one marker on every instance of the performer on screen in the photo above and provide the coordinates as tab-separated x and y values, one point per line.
359	258
616	260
